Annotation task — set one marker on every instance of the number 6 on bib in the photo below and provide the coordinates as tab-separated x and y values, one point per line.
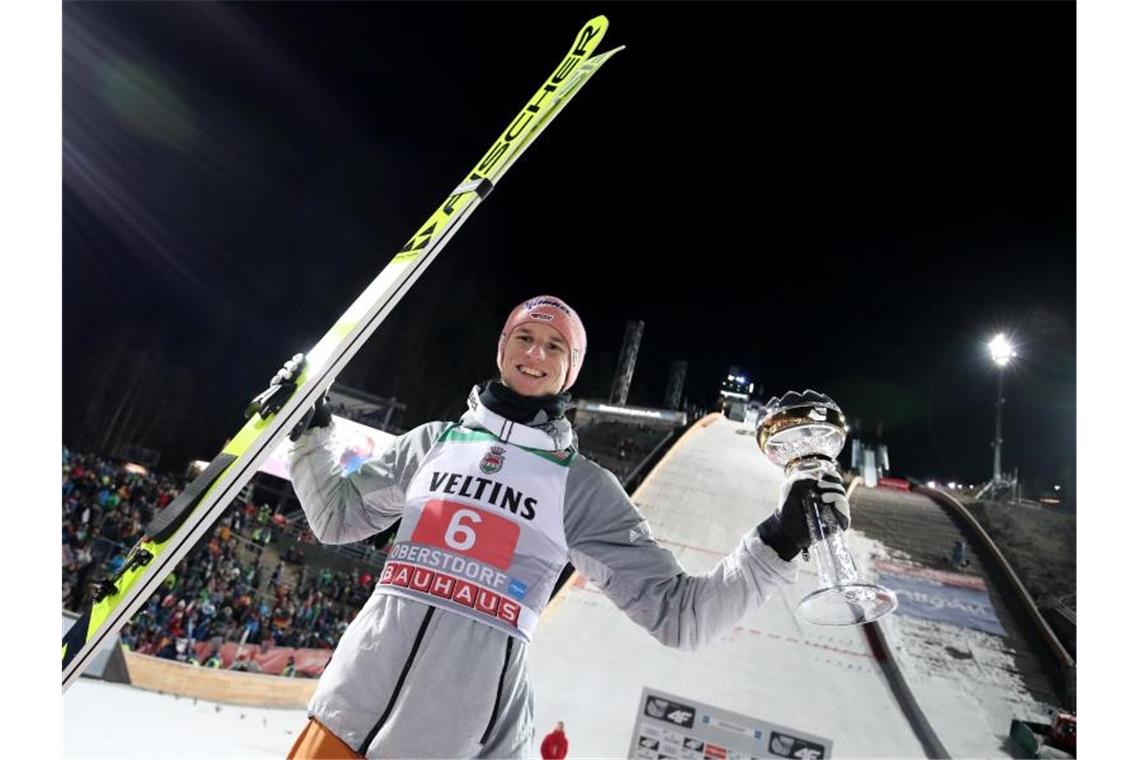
474	533
459	536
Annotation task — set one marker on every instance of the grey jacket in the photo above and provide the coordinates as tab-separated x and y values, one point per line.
411	680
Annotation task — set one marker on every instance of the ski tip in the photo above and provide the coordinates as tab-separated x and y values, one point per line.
593	32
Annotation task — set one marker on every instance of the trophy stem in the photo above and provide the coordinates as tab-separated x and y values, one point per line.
832	557
804	433
842	597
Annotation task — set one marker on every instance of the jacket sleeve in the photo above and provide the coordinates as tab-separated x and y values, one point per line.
342	508
612	545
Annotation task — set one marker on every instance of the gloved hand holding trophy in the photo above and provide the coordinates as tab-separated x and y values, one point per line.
803	433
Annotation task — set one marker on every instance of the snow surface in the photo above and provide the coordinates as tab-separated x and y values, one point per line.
163	725
965	681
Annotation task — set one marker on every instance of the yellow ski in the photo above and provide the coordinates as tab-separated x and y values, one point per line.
178	527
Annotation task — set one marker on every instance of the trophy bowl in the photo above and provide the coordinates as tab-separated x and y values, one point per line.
803	433
802	428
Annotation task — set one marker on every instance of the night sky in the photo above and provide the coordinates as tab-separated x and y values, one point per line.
851	197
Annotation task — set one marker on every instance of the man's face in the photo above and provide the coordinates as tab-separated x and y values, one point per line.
536	359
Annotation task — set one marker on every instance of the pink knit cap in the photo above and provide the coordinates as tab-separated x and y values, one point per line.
549	310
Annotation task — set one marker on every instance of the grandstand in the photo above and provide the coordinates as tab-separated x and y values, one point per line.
624	439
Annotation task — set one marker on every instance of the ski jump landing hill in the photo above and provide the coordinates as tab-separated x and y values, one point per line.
772	687
926	681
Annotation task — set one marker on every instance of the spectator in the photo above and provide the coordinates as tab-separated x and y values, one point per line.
275	579
167	649
245	662
957	557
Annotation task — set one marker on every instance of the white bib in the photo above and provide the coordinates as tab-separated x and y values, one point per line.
482	533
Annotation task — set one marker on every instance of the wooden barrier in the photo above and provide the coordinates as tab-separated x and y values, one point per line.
233	687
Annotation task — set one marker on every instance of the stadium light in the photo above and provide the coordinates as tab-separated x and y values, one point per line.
1002	352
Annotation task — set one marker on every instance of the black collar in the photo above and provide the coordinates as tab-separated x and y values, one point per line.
523	409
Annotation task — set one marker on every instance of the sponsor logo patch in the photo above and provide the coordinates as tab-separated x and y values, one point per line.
456	589
715	752
783	745
675	713
517	589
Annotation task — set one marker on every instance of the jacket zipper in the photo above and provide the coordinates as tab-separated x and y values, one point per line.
363	751
498	692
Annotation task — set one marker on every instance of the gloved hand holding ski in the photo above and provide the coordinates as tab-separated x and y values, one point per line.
281	387
791	529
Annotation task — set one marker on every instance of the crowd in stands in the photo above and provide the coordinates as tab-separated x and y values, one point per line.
105	508
217	595
223	591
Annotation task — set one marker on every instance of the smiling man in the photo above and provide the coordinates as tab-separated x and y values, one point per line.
491	508
541	347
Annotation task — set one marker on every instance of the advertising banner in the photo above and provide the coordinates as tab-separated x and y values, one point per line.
941	596
669	727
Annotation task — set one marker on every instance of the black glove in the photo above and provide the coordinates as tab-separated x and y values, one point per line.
789	530
280	388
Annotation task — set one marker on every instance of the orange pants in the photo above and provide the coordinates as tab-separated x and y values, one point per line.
318	743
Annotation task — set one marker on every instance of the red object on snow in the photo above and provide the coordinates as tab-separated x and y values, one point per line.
554	746
1063	732
896	483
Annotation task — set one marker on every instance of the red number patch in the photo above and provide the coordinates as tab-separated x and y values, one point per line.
462	529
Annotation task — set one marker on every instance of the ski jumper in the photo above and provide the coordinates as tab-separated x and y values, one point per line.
435	663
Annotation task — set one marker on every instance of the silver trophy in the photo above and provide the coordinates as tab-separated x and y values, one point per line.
804	433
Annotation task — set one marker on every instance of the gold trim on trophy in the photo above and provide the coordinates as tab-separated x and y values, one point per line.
782	419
